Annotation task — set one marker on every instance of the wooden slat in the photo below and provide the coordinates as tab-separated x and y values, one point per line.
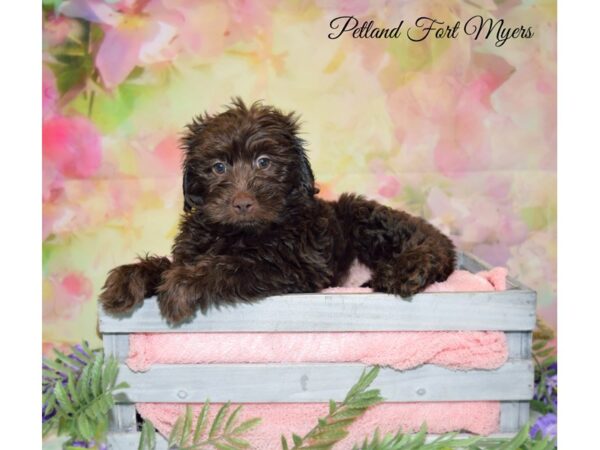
508	310
122	416
266	383
513	416
129	441
519	344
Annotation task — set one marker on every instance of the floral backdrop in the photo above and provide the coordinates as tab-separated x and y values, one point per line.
459	131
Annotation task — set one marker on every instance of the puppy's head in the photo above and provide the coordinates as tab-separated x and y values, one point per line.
245	167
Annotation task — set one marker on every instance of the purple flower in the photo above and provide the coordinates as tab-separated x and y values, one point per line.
545	426
47	416
49	380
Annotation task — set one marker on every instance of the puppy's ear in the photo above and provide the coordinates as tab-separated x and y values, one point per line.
191	198
307	178
190	141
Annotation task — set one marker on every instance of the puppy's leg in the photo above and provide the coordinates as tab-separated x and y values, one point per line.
129	284
405	253
218	280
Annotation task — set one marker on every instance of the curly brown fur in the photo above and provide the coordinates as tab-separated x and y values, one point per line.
128	285
253	227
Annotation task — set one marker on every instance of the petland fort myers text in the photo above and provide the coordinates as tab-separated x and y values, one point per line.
430	28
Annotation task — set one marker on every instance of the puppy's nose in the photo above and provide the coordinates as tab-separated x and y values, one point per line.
243	202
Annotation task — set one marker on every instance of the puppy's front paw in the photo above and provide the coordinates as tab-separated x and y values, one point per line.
123	289
178	295
405	276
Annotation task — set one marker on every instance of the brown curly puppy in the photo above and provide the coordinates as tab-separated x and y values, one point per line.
252	226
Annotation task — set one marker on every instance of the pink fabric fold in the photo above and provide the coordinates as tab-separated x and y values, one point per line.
285	418
402	350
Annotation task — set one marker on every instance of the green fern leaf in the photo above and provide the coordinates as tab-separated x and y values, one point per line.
237	442
72	389
84	427
96	375
231	421
222	446
83	385
147	436
109	375
186	427
175	434
332	407
63	398
247	425
297	440
218	420
284	444
201	423
516	442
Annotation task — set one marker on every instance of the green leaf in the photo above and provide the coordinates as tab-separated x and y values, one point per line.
297	440
222	446
187	426
237	442
247	425
175	433
59	367
147	437
284	444
545	352
549	361
109	375
83	385
96	380
332	407
218	420
63	399
201	423
517	441
327	436
232	418
72	389
84	427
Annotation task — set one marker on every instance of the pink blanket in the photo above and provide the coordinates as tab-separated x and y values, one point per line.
400	350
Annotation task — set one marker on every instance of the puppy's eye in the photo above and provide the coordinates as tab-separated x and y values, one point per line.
219	168
263	162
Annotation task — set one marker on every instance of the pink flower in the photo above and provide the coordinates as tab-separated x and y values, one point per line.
71	148
57	29
135	32
64	295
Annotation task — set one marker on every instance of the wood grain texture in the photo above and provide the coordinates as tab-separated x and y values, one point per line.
122	416
508	311
513	416
280	383
129	441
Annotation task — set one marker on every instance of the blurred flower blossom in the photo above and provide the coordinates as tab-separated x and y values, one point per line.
136	32
545	426
71	148
64	295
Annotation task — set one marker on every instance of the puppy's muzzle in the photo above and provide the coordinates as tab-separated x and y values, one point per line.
243	203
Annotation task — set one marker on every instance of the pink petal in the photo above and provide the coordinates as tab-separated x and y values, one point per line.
118	55
71	145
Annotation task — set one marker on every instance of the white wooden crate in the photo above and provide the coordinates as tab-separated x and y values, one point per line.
511	311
